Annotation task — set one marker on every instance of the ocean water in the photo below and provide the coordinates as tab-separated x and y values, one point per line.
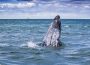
19	39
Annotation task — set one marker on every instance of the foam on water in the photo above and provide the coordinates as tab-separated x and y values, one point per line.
32	45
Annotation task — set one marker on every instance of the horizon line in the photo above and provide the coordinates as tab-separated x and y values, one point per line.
42	18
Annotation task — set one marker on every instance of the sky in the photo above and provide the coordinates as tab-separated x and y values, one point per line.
44	9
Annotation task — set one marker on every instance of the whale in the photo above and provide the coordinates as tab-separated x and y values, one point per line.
52	36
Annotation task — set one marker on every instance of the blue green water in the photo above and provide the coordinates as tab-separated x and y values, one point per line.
16	37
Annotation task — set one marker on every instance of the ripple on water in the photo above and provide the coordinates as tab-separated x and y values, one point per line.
14	48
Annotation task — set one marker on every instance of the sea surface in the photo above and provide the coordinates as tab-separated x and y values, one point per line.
19	39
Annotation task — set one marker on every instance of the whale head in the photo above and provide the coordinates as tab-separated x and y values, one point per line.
57	17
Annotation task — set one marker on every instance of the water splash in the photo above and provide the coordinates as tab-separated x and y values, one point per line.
32	45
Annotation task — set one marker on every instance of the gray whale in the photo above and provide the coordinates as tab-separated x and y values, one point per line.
52	37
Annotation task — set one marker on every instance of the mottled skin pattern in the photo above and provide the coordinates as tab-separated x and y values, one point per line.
55	26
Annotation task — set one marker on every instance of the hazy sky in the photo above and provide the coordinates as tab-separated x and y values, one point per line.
44	9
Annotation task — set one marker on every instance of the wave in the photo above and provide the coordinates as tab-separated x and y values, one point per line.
66	26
